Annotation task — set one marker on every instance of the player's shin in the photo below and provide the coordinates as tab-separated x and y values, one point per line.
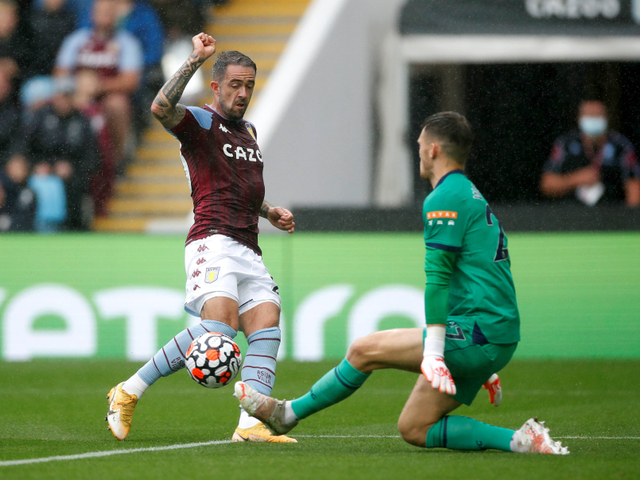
338	384
463	433
170	358
259	367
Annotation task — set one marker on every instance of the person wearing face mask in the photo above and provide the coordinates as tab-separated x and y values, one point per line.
594	164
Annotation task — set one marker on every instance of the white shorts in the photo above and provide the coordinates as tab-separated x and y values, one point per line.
218	266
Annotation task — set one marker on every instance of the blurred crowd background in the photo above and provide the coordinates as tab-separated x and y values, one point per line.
76	80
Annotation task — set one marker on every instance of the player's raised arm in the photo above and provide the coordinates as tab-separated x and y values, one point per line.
165	107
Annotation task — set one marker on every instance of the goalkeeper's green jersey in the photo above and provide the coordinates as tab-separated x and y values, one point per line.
482	295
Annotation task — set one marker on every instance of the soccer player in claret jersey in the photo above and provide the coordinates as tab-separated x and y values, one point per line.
228	285
472	320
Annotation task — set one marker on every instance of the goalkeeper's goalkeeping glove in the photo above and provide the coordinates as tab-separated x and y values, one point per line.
433	366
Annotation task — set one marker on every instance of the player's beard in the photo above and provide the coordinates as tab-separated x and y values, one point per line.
231	113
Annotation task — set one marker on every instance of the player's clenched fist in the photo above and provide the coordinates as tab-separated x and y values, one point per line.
203	45
438	374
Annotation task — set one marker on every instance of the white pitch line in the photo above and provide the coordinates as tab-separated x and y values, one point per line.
107	453
179	446
600	438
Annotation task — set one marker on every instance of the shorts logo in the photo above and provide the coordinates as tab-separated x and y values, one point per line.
200	261
211	275
202	248
454	331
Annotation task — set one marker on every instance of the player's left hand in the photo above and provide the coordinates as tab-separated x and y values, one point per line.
494	388
281	218
438	374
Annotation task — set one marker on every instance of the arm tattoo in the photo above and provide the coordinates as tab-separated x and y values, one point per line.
264	209
165	106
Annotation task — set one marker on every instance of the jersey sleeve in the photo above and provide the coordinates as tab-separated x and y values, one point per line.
438	266
131	58
68	54
444	223
196	122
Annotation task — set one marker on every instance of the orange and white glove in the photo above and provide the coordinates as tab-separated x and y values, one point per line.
433	366
494	388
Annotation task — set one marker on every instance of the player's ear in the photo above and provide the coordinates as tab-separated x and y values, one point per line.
434	150
215	86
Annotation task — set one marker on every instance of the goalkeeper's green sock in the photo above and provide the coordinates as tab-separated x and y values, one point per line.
464	433
334	387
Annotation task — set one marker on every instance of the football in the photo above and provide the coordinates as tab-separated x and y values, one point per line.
213	360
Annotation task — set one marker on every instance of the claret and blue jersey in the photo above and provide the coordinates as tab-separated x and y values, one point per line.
458	219
223	165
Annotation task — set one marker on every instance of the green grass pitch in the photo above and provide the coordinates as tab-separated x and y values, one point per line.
56	408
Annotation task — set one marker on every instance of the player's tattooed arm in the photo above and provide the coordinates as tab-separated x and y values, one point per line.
264	209
165	106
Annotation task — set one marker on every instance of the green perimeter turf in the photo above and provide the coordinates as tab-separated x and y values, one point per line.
57	408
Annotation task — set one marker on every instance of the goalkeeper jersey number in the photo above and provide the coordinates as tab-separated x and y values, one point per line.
458	219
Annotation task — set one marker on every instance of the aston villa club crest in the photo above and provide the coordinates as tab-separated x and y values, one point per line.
250	130
211	274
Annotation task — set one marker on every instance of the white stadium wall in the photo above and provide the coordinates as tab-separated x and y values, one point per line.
315	116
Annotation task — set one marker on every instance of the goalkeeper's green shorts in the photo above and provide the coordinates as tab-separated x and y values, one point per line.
470	360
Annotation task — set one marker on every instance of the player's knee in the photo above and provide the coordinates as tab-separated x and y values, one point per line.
411	432
359	354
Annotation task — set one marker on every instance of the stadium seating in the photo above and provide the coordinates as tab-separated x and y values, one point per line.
154	186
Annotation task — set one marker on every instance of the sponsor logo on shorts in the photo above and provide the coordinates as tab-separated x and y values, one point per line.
202	248
196	273
195	287
211	275
454	331
200	261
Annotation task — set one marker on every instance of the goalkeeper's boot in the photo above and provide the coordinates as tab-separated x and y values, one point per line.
495	389
266	409
121	406
259	433
533	437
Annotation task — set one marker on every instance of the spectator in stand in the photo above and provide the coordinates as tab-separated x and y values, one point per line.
51	211
52	20
140	19
62	137
14	48
102	182
112	61
17	200
10	142
594	163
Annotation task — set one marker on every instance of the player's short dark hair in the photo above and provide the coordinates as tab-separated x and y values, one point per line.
231	57
454	130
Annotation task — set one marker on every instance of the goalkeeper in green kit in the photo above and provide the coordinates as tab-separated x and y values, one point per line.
472	321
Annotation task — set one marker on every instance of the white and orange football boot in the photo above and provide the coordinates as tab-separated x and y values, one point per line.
121	406
533	437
